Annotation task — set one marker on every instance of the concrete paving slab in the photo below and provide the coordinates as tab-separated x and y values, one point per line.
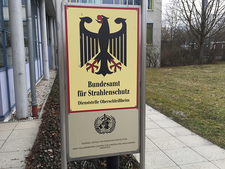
150	146
171	146
156	133
157	159
7	160
14	167
184	156
175	167
28	124
167	143
137	156
211	152
194	140
1	143
179	131
204	165
220	163
151	125
22	133
157	116
167	123
4	134
27	133
20	144
8	126
150	110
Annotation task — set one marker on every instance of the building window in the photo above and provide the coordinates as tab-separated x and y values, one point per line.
8	50
107	1
5	2
150	5
149	33
26	49
23	2
36	29
137	2
122	2
2	59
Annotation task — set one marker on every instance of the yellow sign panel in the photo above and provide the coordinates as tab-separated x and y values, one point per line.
102	58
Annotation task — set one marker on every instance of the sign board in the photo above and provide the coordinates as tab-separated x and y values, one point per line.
102	48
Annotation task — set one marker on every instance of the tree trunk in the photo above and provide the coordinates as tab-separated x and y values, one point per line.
201	53
200	62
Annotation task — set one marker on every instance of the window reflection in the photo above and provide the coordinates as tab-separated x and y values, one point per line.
149	33
37	39
5	2
2	59
124	2
137	2
91	1
98	1
117	1
8	49
26	49
121	2
37	46
23	2
107	1
130	2
0	16
6	24
150	4
25	28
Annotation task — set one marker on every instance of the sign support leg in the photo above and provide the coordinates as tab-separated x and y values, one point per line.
143	81
113	162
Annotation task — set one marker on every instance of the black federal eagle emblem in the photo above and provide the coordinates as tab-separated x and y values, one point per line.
105	47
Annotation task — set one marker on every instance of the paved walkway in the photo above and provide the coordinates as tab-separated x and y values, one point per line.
17	137
168	145
171	146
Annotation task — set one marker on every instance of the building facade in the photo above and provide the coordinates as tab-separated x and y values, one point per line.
154	17
7	91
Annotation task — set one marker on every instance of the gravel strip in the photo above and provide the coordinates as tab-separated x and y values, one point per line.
43	89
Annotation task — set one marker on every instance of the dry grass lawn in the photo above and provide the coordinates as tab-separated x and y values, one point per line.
193	96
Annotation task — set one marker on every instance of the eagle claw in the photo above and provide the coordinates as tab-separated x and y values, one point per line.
92	66
115	65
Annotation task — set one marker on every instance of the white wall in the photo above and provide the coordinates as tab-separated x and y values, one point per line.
4	104
155	18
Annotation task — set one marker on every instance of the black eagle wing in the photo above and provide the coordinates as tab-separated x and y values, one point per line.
88	42
118	42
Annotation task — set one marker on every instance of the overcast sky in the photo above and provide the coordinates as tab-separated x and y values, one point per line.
164	2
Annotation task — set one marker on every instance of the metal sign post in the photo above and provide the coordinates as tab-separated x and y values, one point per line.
103	70
143	81
61	62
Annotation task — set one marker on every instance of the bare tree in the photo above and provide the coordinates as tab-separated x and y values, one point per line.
204	18
174	30
171	19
